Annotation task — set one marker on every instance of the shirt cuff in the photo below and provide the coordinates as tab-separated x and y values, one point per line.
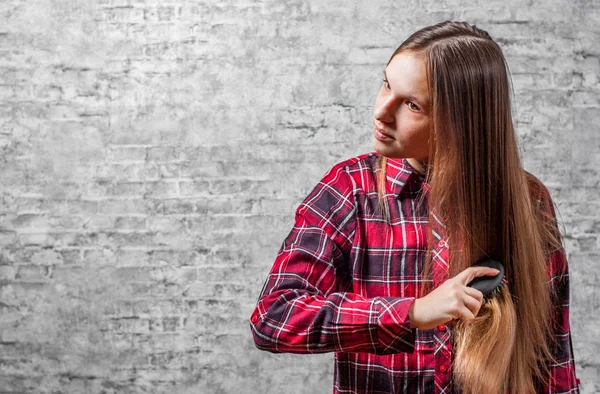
394	330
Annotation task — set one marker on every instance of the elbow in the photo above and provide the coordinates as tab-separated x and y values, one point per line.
263	339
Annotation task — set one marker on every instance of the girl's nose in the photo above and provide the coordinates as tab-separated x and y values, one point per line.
384	111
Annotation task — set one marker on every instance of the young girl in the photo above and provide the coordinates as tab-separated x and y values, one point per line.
377	264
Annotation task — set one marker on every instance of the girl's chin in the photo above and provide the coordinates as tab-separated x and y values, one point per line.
388	151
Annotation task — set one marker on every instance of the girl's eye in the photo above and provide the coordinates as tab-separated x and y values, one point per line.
386	84
413	106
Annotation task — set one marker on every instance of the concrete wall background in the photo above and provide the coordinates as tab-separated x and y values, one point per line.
153	153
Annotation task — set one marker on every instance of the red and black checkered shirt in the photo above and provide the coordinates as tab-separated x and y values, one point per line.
344	283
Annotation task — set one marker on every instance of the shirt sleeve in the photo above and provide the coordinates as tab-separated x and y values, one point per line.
562	369
562	379
306	304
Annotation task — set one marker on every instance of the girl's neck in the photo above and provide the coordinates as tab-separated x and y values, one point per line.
418	165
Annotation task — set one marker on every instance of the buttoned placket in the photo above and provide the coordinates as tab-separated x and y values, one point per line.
442	334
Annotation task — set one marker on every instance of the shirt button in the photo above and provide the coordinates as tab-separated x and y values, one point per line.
443	368
441	244
442	327
254	318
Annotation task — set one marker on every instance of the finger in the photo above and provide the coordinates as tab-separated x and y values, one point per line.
473	304
478	295
466	314
471	273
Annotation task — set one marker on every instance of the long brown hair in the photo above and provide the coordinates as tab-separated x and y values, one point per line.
477	181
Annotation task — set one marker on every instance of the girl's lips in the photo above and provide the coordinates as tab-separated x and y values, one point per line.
382	136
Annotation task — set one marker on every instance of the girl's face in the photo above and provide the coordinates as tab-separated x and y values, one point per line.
402	110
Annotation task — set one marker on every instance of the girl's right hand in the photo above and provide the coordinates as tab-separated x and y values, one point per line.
451	300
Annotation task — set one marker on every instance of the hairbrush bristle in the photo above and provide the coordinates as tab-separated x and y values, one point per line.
495	292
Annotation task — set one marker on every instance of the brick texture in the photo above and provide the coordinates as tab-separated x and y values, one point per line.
153	153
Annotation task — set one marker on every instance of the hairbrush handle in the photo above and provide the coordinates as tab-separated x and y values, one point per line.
487	284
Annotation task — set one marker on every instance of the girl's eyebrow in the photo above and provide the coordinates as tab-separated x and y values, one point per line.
410	96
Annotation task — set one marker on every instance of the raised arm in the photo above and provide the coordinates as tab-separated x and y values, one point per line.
307	304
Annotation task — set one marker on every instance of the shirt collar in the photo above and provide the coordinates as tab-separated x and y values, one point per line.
400	173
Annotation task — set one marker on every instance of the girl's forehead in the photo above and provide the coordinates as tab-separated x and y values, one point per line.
407	76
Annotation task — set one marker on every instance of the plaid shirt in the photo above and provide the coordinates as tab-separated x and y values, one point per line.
344	283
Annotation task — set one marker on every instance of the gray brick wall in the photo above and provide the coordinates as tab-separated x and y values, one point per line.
153	154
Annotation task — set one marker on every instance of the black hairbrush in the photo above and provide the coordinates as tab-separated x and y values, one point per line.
488	285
